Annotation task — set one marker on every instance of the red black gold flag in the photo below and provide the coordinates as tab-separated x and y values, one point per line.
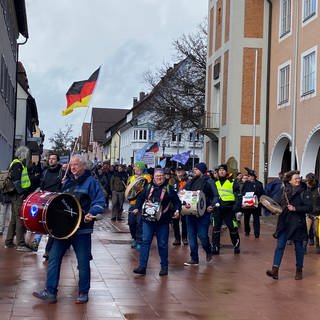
80	92
153	148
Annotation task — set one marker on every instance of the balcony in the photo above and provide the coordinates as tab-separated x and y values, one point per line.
210	124
196	144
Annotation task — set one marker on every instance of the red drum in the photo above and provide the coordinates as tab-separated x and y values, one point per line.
56	214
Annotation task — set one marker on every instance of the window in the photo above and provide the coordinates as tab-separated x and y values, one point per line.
7	89
284	84
140	134
285	17
195	136
308	72
150	135
309	9
176	137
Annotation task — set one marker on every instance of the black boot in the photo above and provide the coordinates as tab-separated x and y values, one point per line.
140	270
215	250
216	242
235	241
298	274
274	273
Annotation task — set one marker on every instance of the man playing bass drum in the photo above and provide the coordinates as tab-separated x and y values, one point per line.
199	226
88	191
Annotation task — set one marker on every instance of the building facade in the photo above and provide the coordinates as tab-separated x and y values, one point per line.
138	130
237	69
294	116
13	22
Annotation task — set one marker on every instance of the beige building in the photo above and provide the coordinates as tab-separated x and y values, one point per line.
294	98
237	71
261	100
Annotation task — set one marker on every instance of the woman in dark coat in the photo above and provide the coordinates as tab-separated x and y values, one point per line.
295	201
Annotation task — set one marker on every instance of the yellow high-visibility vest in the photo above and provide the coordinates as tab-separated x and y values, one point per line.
24	180
226	191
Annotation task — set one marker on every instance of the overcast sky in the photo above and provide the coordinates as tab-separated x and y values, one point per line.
70	39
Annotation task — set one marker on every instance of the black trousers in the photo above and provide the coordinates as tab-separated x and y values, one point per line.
226	215
176	228
256	220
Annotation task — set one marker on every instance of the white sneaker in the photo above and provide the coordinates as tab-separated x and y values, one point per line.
23	249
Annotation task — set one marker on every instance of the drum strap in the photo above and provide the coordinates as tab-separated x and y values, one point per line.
163	192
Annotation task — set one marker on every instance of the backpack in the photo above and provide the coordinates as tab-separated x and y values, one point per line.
6	184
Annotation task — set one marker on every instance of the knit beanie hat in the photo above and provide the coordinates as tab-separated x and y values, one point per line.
201	166
140	164
223	166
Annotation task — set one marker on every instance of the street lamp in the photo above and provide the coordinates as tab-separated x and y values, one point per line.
194	147
163	147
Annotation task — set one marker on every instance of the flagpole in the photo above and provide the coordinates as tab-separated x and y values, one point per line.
75	144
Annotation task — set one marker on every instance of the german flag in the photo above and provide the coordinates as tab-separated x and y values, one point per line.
153	148
80	92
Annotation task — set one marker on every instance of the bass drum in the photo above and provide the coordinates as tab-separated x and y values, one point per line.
193	202
56	214
134	188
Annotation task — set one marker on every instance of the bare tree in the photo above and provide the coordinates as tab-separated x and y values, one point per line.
63	141
178	92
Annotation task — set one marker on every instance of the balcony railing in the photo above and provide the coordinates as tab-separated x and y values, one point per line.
211	121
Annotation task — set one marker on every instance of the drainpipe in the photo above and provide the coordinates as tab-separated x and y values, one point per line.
266	145
294	94
254	108
16	96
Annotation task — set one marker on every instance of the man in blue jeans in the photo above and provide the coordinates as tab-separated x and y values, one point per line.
88	191
198	226
158	204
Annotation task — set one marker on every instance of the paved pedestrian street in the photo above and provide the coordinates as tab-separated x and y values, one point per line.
230	287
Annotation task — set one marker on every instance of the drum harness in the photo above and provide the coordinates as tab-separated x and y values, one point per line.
163	192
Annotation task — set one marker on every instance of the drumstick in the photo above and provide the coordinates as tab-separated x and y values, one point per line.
286	196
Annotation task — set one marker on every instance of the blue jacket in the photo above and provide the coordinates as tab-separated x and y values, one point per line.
90	195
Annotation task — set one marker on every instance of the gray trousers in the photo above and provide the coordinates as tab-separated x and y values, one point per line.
16	226
117	203
5	211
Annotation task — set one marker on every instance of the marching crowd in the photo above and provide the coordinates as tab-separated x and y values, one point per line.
160	199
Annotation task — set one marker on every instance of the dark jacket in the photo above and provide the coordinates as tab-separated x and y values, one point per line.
315	196
170	201
118	181
207	185
51	178
273	188
89	193
294	222
252	186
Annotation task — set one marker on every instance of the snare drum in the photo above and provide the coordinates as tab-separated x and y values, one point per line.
193	202
56	214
